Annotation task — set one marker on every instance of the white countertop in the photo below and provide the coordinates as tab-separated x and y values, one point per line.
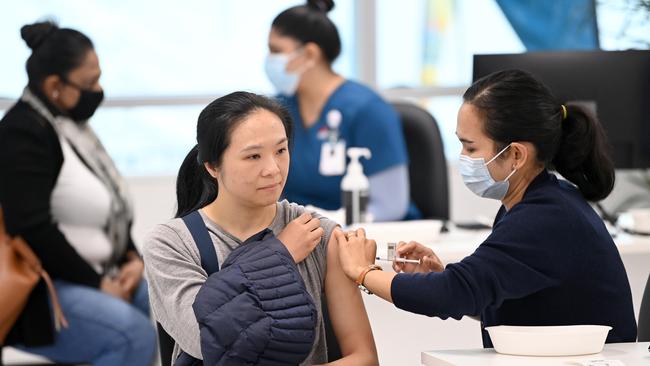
631	354
456	244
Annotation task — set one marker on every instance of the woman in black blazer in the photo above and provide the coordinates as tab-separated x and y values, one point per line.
62	193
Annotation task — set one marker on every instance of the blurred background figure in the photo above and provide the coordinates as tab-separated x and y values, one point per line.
332	113
61	192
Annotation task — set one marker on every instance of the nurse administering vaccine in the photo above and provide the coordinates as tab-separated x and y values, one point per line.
549	259
332	114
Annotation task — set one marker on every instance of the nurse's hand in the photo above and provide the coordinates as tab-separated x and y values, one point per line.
356	252
301	236
429	261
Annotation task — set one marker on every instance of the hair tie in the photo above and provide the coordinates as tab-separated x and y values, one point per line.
564	112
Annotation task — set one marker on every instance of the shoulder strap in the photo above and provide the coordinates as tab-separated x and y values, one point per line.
201	236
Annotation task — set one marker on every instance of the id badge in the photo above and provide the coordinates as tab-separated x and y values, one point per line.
332	158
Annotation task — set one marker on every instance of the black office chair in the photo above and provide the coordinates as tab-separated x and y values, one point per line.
427	163
643	330
165	345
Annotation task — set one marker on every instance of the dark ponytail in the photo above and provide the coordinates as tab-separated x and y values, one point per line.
195	187
583	156
55	51
518	107
309	23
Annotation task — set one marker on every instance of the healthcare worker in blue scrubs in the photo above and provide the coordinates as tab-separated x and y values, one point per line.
332	114
549	259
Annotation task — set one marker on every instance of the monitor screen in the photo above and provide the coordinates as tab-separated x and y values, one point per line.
616	84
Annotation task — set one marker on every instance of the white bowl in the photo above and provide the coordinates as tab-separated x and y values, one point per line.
568	340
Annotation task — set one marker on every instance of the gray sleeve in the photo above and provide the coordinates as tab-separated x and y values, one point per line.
389	194
174	275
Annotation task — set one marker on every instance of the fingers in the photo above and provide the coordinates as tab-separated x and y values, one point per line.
412	250
316	235
312	224
398	267
433	263
340	237
361	233
304	218
128	284
429	263
403	247
371	249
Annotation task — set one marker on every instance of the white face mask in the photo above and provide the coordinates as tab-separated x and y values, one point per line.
477	178
284	82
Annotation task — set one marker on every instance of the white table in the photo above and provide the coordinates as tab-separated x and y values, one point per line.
401	336
631	354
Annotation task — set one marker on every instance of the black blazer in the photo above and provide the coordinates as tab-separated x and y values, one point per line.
30	162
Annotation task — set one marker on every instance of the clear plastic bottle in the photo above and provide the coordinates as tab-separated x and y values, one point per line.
355	187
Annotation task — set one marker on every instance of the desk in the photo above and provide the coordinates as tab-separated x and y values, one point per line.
631	354
401	336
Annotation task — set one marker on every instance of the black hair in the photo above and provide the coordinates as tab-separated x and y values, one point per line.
309	23
55	51
195	187
515	106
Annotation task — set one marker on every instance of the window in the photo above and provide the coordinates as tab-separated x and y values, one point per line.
440	37
164	60
157	51
623	24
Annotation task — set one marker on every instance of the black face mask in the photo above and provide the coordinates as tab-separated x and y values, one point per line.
87	104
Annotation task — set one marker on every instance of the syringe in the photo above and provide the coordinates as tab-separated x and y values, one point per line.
402	260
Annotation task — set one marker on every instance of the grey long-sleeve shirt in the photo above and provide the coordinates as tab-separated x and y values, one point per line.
174	274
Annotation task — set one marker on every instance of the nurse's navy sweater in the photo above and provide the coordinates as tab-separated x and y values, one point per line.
548	261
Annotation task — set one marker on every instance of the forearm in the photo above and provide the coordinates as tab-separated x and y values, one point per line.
379	283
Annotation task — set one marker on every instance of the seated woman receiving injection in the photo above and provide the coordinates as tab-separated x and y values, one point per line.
234	178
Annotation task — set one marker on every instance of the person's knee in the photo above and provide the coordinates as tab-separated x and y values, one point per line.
141	335
136	337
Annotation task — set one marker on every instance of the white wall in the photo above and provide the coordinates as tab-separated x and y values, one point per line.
154	200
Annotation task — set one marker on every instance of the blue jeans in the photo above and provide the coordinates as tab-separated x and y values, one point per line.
103	330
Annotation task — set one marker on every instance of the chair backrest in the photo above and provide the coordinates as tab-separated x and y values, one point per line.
427	163
643	329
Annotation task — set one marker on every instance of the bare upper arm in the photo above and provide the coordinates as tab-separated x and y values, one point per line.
347	313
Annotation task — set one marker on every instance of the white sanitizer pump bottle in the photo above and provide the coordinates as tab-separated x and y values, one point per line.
355	187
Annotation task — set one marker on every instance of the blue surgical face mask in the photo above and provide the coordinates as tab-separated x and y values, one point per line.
477	178
284	82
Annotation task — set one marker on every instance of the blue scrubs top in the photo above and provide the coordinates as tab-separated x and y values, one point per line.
368	121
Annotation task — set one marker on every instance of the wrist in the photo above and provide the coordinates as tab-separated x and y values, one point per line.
357	272
362	276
